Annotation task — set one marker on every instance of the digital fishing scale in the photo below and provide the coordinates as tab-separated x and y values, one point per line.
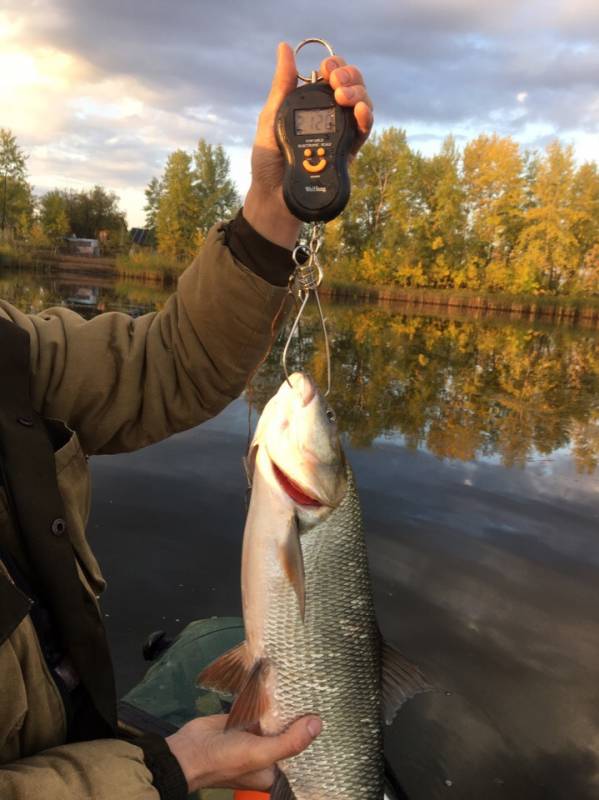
316	136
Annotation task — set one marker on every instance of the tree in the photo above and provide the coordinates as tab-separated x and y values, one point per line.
153	194
53	217
178	212
585	201
215	192
16	204
494	187
547	243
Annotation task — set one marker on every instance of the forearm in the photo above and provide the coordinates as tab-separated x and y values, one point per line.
102	770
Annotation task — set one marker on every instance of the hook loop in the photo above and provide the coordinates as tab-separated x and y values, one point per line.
313	40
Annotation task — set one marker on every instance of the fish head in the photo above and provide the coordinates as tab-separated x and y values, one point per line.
297	433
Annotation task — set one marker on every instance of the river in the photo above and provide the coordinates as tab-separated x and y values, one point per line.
475	443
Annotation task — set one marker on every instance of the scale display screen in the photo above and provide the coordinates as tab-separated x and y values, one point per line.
314	120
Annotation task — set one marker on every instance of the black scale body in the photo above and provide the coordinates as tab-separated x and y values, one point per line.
316	136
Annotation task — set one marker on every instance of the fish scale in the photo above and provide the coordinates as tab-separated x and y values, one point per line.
330	662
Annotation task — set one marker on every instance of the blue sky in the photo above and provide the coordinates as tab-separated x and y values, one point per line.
103	92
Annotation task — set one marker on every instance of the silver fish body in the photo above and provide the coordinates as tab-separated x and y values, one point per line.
312	641
330	663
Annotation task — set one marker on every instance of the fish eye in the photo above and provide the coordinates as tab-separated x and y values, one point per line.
331	415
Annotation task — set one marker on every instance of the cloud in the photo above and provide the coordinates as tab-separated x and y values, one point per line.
116	86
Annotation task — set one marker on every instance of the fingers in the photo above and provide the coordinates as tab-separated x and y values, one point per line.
348	83
266	750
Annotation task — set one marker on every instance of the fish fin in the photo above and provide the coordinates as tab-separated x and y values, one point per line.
252	701
293	564
229	672
401	680
281	790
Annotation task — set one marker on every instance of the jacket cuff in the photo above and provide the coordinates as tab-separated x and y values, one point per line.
269	261
167	776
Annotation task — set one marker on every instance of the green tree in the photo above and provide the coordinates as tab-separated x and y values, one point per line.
93	210
215	191
53	217
153	193
16	200
178	213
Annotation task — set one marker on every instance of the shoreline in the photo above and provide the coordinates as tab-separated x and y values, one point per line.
554	307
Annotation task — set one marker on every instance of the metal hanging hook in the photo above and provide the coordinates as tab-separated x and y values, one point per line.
314	77
307	277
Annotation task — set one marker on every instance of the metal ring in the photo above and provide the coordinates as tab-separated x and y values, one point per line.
324	43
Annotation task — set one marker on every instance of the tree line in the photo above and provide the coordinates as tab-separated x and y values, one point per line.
486	217
45	221
489	217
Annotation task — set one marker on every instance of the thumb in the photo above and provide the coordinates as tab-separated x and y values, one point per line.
284	79
287	744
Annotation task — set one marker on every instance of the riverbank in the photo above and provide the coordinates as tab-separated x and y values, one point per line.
555	308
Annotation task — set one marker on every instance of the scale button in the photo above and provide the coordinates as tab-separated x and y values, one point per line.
308	153
320	151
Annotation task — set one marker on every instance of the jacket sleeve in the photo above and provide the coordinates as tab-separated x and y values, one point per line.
101	770
124	383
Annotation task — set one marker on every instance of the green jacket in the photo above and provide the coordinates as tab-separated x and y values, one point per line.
119	384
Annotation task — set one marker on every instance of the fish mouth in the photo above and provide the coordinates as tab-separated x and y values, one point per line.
296	492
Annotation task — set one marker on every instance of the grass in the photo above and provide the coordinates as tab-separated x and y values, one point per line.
148	264
468	298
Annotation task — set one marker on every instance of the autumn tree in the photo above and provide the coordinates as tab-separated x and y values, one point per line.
548	248
53	216
374	222
16	199
215	192
494	189
178	212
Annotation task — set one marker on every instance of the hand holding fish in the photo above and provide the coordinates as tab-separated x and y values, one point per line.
211	756
264	207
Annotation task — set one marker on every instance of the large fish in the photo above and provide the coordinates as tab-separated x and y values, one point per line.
312	642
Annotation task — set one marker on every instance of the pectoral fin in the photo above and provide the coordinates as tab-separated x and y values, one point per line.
401	680
293	564
229	672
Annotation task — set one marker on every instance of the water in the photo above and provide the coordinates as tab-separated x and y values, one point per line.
475	444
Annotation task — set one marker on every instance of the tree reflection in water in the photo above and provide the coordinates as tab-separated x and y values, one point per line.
461	388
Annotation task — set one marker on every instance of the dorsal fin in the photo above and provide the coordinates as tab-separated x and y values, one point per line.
229	672
252	702
401	680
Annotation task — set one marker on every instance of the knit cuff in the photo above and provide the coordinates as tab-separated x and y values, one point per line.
167	776
265	258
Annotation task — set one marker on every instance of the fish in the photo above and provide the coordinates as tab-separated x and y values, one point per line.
312	643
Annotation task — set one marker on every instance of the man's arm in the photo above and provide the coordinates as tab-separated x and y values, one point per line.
109	769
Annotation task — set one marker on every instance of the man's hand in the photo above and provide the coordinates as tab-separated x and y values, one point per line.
212	757
264	206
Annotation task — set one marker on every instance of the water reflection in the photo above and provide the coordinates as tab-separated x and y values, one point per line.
460	388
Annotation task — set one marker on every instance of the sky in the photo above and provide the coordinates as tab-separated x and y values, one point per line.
102	92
